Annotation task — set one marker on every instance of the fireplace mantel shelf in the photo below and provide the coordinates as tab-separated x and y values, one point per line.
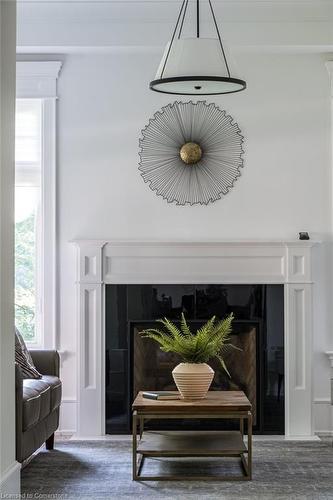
289	262
217	243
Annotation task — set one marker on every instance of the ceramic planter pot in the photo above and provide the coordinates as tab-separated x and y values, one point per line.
193	379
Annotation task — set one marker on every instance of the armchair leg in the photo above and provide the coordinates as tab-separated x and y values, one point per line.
49	443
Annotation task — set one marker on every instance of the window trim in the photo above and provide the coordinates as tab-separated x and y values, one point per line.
37	80
49	236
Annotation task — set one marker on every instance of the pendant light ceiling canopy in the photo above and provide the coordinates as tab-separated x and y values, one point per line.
195	66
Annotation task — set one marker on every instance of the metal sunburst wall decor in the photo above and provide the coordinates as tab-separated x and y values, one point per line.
191	153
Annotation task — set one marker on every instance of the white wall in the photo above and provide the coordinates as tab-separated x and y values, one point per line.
104	102
9	468
284	115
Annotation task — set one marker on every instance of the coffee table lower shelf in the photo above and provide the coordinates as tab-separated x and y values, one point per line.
191	444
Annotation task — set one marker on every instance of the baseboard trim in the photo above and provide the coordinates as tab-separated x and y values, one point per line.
302	438
68	416
256	437
324	433
322	416
63	433
321	406
10	482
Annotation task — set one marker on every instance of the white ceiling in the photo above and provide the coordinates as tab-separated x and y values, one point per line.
68	25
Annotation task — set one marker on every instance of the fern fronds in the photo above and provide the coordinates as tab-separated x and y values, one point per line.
210	341
184	327
221	360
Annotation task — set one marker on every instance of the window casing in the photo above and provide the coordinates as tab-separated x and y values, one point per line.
36	92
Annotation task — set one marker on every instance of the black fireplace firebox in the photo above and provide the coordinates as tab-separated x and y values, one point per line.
134	363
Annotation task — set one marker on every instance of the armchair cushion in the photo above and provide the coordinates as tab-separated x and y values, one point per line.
40	398
31	407
44	390
55	389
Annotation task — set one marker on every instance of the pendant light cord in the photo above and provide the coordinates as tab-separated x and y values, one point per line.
181	16
219	37
183	19
173	36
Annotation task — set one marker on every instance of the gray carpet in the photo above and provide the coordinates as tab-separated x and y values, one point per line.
102	469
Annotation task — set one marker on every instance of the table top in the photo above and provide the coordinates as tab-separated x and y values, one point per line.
216	401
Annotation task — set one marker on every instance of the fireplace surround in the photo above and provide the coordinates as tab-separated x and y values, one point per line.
102	262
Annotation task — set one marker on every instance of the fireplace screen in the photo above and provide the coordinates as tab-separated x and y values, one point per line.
134	363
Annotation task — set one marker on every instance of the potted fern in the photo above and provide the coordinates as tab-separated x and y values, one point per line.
193	376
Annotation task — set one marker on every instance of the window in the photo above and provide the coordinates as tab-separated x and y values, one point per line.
35	204
35	233
28	224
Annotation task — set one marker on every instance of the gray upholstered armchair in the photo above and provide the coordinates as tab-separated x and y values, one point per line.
37	405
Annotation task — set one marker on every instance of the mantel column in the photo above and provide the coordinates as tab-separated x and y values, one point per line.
298	343
90	338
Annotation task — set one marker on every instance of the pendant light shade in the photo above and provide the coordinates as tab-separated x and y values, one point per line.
195	66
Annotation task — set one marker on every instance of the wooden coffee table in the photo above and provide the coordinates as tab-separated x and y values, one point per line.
217	405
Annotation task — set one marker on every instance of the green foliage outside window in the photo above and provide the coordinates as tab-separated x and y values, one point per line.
25	298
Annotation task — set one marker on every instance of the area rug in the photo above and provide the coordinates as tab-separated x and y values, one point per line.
103	469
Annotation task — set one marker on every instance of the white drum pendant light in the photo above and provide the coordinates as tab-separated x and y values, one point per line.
195	66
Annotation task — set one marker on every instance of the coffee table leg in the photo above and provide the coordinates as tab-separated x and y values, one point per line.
134	464
249	444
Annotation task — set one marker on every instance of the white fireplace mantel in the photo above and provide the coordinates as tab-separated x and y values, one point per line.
102	262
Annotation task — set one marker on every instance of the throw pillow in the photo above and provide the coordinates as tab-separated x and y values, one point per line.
23	358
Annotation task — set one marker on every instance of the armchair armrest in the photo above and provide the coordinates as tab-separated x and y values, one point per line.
46	362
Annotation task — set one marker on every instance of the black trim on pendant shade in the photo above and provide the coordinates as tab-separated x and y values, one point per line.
225	79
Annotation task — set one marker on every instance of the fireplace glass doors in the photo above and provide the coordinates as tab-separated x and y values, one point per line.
134	363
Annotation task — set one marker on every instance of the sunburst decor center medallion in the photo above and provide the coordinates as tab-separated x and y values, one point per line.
191	153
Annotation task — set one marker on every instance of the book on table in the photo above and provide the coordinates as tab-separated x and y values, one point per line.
160	395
